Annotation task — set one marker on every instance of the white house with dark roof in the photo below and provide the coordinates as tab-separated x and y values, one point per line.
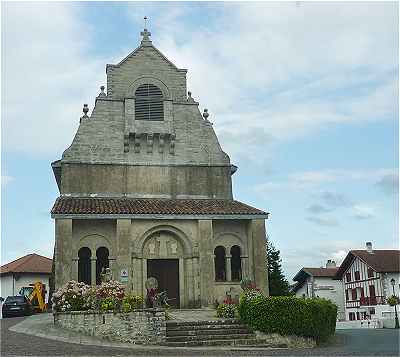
366	277
320	282
24	271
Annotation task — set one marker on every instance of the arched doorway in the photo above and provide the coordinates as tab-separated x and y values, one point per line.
84	265
102	262
163	252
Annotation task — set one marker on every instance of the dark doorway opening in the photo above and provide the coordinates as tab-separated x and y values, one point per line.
166	271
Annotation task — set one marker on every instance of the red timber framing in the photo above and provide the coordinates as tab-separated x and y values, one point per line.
367	291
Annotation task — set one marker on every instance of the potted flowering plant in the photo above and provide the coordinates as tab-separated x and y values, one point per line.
393	300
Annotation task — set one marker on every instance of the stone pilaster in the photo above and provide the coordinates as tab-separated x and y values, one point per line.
228	268
259	263
93	270
206	261
63	252
123	251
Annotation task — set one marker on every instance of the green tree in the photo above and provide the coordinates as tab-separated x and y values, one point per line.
278	285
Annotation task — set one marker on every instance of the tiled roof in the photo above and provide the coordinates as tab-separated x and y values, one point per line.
321	272
134	206
315	272
31	263
382	261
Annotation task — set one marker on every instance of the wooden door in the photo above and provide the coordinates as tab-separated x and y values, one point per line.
166	271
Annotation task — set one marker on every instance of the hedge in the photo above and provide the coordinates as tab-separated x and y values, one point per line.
289	315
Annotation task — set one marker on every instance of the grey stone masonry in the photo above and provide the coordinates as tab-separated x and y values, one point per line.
112	135
137	327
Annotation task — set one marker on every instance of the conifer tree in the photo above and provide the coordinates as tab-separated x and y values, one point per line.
278	285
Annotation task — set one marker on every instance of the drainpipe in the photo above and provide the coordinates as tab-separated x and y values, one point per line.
13	283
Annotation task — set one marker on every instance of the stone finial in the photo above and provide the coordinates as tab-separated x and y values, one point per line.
206	114
190	99
102	94
85	111
145	34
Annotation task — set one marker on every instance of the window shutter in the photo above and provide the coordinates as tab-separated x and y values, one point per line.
149	104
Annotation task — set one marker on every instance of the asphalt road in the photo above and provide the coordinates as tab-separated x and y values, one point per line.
359	342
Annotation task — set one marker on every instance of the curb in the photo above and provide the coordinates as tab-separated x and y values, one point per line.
75	338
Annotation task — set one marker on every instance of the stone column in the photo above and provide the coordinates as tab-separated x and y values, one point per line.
243	261
93	270
205	238
259	263
189	282
196	281
75	267
136	269
228	268
63	251
123	259
182	286
144	276
250	266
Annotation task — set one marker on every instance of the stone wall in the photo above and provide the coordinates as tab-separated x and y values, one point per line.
138	327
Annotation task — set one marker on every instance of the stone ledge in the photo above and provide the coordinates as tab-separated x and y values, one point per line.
144	326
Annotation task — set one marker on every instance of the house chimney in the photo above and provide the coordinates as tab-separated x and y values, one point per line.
330	264
369	247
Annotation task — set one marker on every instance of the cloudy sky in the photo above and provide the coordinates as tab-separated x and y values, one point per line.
303	96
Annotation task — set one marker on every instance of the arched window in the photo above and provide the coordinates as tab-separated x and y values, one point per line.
220	270
149	103
84	265
236	264
101	262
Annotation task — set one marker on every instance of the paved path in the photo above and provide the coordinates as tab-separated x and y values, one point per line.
360	342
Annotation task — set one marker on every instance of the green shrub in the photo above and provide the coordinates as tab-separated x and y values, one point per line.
132	302
226	310
289	315
108	304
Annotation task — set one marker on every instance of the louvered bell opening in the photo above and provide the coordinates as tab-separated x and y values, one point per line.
149	103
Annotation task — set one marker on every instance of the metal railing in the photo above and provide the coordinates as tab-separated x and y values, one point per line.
372	300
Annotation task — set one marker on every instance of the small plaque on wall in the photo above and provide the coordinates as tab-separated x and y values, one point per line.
124	275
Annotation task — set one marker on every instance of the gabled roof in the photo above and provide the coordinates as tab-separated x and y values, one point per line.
136	50
31	263
382	261
315	272
150	206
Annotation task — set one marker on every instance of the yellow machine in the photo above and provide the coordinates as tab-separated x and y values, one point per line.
36	295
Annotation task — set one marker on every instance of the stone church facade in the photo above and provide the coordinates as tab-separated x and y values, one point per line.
146	190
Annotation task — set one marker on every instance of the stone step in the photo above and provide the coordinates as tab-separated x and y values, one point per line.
210	337
203	322
206	331
250	342
205	327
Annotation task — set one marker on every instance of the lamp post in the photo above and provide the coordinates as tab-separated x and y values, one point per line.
396	318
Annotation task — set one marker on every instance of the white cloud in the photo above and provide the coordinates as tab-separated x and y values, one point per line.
314	179
389	183
48	75
315	254
277	69
363	211
324	221
287	70
6	179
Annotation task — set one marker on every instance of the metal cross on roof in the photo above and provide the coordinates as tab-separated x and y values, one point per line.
146	34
